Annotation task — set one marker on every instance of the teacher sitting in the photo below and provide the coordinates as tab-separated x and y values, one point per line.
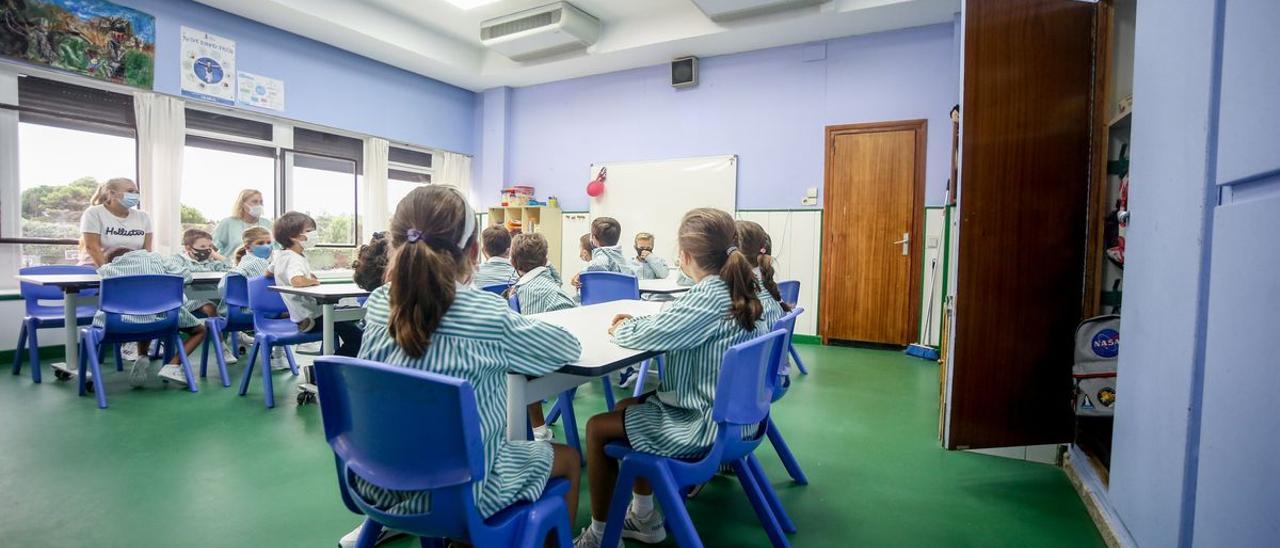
112	222
246	213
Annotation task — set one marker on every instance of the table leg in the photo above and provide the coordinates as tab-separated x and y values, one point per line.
517	414
69	304
328	329
308	386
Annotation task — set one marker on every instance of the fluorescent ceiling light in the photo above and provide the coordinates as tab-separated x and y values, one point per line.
469	4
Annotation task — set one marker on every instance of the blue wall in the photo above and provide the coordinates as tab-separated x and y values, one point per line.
323	84
769	107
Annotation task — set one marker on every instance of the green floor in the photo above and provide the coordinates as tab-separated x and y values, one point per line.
164	467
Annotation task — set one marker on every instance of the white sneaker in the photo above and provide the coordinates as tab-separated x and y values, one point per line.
278	360
129	351
349	540
173	372
628	377
310	348
542	433
139	371
647	529
229	355
589	538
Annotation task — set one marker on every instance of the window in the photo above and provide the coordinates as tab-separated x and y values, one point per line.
409	169
213	174
70	140
326	188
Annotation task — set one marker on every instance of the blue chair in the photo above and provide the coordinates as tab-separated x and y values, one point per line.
371	413
603	287
790	291
272	327
786	323
496	289
514	302
235	295
48	316
141	295
748	376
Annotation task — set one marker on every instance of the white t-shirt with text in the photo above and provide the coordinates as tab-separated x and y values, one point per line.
115	232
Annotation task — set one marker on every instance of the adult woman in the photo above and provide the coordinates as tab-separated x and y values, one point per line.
112	222
247	212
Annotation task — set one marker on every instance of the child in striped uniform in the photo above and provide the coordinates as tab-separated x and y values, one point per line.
199	256
429	317
251	259
647	265
123	262
496	269
721	310
606	254
537	291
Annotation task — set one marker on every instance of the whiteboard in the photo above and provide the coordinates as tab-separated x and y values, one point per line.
653	196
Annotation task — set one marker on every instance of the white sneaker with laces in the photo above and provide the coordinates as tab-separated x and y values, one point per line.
173	372
349	540
542	433
589	538
139	371
229	355
278	360
647	529
129	351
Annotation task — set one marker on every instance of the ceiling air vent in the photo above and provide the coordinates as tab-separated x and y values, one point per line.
728	10
540	32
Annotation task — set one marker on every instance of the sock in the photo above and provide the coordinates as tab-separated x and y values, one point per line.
641	505
540	431
597	526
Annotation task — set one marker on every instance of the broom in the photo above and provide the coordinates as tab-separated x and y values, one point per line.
920	349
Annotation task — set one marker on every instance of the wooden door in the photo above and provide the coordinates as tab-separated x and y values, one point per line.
872	212
1024	196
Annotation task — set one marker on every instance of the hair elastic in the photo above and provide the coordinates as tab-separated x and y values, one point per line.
731	249
412	235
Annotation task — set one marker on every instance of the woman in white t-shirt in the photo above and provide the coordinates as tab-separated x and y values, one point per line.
112	222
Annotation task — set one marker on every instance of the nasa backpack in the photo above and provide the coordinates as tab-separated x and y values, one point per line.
1097	348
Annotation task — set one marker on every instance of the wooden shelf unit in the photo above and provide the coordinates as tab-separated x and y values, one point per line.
544	220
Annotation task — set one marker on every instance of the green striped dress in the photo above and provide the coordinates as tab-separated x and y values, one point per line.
479	340
193	265
539	291
140	262
695	330
772	308
496	270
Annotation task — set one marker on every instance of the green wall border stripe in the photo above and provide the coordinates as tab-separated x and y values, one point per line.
10	296
806	339
46	353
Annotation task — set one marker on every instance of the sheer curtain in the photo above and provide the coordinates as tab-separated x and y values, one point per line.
161	136
451	168
376	215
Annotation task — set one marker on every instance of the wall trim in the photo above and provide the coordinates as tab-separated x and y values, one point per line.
806	339
1093	494
46	353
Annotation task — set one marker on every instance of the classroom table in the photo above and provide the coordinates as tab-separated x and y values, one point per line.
600	356
663	286
72	284
328	296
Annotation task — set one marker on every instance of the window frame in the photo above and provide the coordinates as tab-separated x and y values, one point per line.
285	180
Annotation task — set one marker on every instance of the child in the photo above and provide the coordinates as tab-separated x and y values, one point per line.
606	254
497	268
585	248
426	317
296	233
757	246
123	262
199	256
370	266
251	259
537	290
721	310
647	265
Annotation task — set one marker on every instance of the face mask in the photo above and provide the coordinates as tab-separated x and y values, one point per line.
310	240
261	251
255	211
201	254
130	199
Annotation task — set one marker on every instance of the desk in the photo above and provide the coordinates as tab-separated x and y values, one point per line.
72	284
328	296
663	286
600	356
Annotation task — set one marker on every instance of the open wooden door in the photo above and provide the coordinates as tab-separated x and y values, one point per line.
1024	198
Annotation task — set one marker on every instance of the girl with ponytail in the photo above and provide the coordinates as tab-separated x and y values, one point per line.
721	309
427	316
758	248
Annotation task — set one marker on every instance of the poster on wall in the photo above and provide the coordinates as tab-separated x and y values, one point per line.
94	38
260	91
208	67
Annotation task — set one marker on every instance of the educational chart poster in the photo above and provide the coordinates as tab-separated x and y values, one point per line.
91	37
208	67
260	91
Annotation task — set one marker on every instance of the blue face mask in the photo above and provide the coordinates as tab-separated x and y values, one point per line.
261	251
130	199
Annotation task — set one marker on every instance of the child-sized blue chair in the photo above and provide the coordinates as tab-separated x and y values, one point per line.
48	316
140	295
372	419
790	292
235	295
271	328
786	323
603	287
743	393
496	289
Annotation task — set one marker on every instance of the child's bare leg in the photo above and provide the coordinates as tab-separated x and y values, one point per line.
144	349
535	415
602	471
642	486
568	464
209	310
195	337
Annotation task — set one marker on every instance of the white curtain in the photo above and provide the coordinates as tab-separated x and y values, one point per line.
451	168
162	126
376	215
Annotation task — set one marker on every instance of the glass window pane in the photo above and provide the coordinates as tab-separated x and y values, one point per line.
326	189
400	184
58	171
213	179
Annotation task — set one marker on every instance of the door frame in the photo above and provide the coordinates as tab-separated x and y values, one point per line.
920	127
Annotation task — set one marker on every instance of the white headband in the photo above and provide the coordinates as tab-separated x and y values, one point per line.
470	226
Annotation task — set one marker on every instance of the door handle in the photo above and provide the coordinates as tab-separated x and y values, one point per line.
906	243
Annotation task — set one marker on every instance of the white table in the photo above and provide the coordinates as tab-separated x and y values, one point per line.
600	356
72	284
663	286
328	296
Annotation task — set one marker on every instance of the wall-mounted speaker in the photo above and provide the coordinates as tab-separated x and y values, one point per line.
684	72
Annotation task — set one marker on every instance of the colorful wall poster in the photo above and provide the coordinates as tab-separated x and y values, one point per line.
208	67
94	38
260	91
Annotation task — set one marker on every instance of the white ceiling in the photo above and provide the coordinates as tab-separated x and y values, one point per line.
436	39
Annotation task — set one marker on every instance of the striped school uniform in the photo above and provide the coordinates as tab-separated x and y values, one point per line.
539	291
208	265
694	331
146	262
772	308
479	340
652	268
496	270
609	259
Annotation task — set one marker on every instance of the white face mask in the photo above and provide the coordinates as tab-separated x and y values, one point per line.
255	211
310	240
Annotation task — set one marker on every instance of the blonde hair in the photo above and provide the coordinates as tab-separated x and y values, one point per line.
247	237
102	194
239	209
